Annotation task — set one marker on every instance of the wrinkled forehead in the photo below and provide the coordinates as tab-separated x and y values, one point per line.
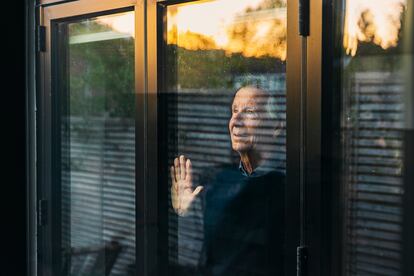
250	96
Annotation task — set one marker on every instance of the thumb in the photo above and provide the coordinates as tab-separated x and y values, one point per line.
198	190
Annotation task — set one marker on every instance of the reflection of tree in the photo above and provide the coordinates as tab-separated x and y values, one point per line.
191	41
213	68
87	27
257	44
252	35
377	22
102	77
256	32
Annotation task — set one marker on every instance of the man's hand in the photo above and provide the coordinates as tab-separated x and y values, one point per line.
182	194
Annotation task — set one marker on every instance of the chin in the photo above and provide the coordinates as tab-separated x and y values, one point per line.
240	148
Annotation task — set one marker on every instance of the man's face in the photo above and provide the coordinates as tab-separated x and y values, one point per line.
247	118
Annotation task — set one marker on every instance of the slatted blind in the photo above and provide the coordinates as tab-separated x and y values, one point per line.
373	147
98	188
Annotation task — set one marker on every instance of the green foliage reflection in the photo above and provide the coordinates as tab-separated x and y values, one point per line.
102	78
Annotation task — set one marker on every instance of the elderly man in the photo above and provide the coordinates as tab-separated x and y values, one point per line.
243	208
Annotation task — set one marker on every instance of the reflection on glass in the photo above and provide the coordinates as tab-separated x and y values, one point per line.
253	28
372	21
96	88
225	92
373	120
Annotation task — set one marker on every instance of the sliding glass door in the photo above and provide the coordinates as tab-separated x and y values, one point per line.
222	91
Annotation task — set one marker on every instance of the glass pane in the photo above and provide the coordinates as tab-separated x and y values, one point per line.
374	103
224	99
97	112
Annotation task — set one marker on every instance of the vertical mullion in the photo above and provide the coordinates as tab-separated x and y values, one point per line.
163	134
152	145
332	194
313	186
292	210
408	173
55	95
140	141
30	128
45	162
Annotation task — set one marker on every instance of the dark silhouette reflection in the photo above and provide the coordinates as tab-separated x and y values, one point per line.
241	206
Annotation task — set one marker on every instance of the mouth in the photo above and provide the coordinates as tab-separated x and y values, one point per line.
240	135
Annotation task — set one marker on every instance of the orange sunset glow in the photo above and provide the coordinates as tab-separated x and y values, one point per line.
256	28
376	21
253	28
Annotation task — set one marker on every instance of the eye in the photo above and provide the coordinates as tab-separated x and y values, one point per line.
250	111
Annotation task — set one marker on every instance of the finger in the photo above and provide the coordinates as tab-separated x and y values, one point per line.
177	169
182	167
172	174
198	190
189	171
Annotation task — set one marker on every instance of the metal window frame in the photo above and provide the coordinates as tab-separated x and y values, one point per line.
154	43
408	220
315	192
31	72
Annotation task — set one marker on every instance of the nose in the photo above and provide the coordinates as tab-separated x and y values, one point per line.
236	120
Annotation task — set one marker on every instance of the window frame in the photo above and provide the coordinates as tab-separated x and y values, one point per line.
155	39
47	105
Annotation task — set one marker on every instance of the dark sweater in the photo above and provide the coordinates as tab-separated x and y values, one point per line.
244	223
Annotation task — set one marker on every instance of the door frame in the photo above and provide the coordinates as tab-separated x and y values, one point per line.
47	119
155	40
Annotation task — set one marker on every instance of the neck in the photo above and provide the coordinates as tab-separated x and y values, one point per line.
250	161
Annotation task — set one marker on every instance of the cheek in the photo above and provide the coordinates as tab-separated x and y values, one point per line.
253	125
256	130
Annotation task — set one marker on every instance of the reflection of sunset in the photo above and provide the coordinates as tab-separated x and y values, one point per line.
121	23
248	27
377	21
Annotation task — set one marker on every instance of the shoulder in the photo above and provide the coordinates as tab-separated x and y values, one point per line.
273	177
273	182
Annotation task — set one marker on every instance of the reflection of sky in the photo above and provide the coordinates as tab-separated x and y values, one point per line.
116	26
383	18
123	23
230	25
210	18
